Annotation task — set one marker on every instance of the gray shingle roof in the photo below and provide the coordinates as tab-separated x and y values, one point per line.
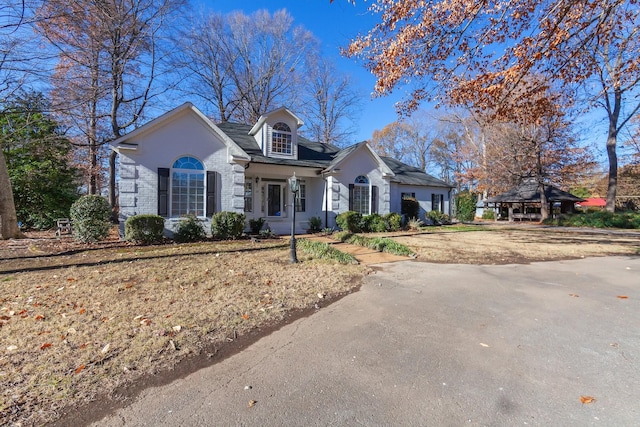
310	154
528	192
406	174
318	155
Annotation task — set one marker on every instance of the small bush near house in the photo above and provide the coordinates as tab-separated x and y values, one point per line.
393	221
327	231
267	233
488	214
91	218
255	225
189	229
315	224
227	225
414	223
410	207
144	228
438	217
466	206
377	223
349	221
600	219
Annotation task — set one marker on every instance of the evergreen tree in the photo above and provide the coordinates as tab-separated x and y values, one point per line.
37	155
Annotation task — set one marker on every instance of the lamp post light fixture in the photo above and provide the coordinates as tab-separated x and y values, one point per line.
294	186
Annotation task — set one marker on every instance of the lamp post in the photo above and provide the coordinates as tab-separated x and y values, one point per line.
294	186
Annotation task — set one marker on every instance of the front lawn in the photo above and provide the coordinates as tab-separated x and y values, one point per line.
75	327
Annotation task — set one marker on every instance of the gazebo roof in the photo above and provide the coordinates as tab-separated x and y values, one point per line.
528	192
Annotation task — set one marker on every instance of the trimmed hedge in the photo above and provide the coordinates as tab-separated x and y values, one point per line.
189	229
349	221
91	218
144	228
227	225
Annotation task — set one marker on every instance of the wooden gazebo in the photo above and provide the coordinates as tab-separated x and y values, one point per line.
523	201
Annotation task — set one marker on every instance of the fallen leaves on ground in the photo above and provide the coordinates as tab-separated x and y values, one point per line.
587	399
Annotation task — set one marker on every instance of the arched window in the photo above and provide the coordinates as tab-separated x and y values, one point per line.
281	137
361	195
187	187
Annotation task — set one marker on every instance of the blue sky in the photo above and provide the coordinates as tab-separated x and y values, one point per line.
334	24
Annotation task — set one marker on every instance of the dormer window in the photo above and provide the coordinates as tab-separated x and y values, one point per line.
281	139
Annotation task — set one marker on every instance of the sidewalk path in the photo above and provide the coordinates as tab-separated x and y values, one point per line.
364	255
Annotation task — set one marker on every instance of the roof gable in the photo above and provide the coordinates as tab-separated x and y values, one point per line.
125	141
350	151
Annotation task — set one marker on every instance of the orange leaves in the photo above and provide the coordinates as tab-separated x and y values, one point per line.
245	316
622	296
79	369
45	346
587	399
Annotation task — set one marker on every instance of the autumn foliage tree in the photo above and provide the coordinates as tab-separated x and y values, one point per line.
464	52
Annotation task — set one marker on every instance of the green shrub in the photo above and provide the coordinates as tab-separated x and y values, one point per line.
325	251
315	224
377	223
599	219
227	225
488	214
349	221
438	218
393	221
144	228
189	229
267	233
255	225
410	207
466	206
382	244
91	218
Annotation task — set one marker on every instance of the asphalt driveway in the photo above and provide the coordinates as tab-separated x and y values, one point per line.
434	345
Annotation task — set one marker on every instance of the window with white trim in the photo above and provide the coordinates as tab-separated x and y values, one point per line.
187	187
361	195
248	195
301	200
281	139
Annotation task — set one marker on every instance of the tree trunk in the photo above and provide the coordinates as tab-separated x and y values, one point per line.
544	203
612	187
8	220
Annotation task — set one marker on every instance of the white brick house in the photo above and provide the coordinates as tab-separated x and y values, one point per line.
183	163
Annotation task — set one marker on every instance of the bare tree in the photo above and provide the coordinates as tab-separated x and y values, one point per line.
109	56
332	104
409	140
246	65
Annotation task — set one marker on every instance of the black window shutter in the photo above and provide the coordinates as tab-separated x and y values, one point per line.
374	199
351	186
211	193
163	192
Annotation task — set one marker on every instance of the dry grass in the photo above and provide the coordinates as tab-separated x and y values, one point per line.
503	245
74	326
